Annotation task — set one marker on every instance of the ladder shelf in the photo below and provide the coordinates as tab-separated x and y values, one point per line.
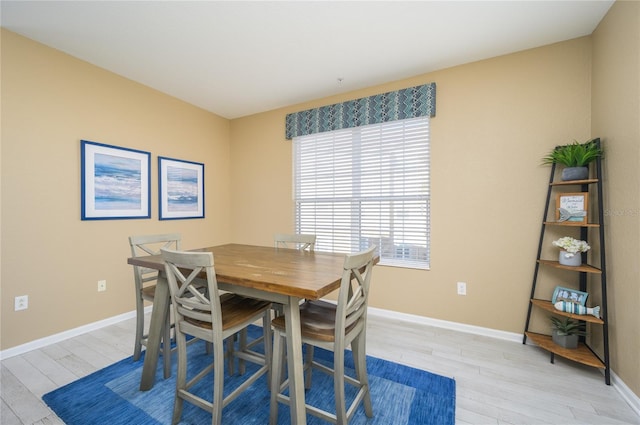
589	276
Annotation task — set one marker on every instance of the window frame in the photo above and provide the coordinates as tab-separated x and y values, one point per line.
420	169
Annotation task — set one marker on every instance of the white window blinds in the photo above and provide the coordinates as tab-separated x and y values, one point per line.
366	186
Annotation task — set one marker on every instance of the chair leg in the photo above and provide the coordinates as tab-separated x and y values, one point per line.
242	366
308	364
230	341
338	386
218	384
166	345
276	372
137	350
360	360
268	349
181	376
283	364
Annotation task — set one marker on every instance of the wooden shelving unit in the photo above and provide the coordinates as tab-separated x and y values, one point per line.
583	354
546	305
556	223
585	268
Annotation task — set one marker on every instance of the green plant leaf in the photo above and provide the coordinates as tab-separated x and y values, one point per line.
568	326
574	155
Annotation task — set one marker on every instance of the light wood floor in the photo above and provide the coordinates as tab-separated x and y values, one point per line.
497	382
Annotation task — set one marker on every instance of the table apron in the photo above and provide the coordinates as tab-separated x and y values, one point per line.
254	293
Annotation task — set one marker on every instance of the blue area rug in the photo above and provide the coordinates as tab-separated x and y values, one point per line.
400	395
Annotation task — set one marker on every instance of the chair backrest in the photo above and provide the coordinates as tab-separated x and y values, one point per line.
184	274
151	245
353	297
299	241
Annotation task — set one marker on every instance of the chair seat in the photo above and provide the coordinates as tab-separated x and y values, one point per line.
317	319
235	310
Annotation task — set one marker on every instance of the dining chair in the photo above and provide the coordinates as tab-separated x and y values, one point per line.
212	317
295	241
302	242
333	327
145	289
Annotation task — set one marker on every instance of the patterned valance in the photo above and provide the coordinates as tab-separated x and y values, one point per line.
418	101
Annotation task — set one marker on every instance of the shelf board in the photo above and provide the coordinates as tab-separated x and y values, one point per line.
583	268
582	354
571	224
546	305
569	182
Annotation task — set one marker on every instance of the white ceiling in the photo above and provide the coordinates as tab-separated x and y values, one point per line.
237	58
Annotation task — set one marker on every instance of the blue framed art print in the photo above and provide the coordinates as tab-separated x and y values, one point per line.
115	182
181	187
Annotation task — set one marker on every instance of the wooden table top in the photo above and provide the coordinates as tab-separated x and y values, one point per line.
291	272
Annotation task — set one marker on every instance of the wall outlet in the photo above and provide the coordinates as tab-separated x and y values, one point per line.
102	285
21	303
462	288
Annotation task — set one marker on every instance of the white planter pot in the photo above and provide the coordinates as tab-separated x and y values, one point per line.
573	261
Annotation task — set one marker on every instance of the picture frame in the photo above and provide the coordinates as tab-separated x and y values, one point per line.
571	208
115	182
181	189
569	295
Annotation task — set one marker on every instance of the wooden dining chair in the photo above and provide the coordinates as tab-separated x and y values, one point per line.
145	289
333	327
212	317
295	241
301	242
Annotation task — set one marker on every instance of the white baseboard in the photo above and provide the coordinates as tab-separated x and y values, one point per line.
460	327
52	339
629	396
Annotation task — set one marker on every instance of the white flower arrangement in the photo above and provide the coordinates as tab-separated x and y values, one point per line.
571	245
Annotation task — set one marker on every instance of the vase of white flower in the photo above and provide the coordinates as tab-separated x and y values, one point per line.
571	250
568	259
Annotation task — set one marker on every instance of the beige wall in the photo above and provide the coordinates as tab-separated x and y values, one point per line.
49	102
616	112
495	120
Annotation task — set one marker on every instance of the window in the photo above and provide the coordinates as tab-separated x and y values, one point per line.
366	185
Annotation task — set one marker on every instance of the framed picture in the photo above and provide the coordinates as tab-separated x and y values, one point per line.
181	185
569	295
572	207
115	182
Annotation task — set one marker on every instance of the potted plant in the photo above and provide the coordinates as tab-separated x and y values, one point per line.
569	249
565	332
574	157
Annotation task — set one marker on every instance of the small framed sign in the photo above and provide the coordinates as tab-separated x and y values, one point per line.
572	207
569	295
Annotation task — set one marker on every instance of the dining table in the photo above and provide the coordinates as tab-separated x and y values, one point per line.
279	275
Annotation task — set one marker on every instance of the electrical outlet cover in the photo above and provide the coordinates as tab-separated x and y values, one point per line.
21	303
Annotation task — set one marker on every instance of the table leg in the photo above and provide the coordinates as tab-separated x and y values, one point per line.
158	315
295	362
